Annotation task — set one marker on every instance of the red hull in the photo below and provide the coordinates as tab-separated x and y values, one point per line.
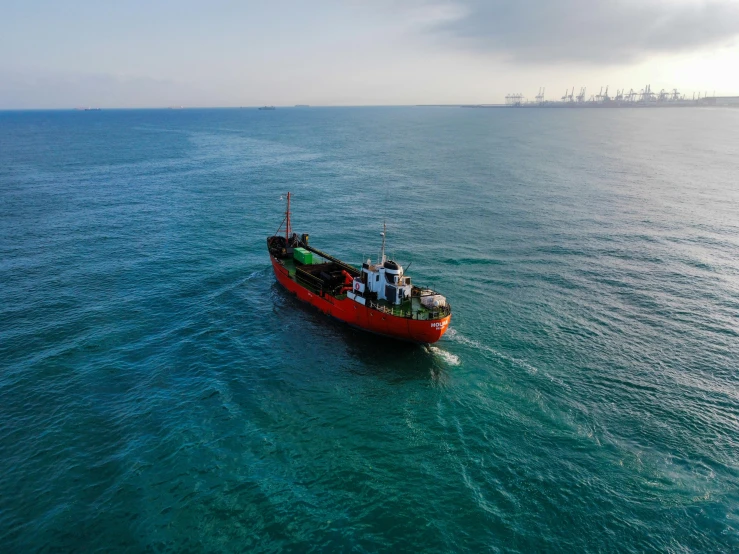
362	317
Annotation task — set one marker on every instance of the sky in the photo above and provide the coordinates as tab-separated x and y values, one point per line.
191	53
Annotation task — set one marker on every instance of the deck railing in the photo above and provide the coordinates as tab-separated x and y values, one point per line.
442	311
317	286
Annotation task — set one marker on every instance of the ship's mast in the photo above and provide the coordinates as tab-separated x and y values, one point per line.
287	219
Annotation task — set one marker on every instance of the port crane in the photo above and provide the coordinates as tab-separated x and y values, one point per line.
644	96
647	95
514	99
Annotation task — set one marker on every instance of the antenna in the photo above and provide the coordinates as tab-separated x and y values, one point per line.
382	252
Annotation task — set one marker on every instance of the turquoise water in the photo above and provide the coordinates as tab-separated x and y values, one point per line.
160	392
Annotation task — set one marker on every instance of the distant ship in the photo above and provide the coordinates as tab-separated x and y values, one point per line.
378	298
302	106
267	108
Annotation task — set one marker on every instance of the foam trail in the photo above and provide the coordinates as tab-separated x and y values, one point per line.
448	357
455	336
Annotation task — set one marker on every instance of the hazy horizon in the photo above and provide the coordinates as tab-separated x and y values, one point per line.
223	54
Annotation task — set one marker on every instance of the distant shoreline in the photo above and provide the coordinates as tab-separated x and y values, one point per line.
552	105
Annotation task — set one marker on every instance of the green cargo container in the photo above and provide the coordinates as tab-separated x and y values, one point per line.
303	256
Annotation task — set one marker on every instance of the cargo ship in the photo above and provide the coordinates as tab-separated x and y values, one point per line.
378	297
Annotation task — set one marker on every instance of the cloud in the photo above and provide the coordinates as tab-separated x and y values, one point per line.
589	31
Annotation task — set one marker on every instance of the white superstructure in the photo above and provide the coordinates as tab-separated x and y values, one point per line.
386	280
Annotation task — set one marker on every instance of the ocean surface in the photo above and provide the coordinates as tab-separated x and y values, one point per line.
159	392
